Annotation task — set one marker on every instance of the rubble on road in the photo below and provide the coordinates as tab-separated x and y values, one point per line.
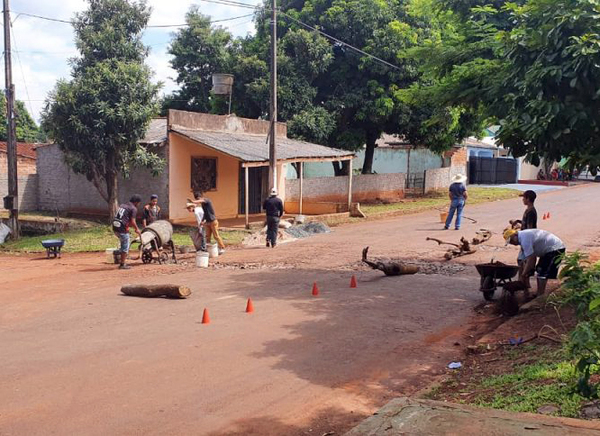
288	234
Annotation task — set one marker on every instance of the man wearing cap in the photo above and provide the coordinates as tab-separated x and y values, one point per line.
124	218
529	221
542	244
458	196
151	211
274	209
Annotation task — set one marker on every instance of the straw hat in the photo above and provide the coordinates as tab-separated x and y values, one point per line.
459	178
188	205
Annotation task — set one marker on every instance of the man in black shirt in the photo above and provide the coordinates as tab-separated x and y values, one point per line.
211	225
151	211
124	218
274	209
530	214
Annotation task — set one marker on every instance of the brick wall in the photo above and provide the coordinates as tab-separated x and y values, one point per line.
440	178
25	165
61	189
365	188
28	191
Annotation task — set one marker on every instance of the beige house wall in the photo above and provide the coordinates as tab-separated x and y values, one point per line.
224	198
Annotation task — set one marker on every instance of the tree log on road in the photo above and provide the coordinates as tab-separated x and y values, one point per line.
389	268
152	291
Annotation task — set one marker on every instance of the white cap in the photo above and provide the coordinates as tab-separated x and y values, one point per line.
273	192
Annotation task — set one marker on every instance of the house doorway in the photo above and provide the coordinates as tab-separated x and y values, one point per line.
258	178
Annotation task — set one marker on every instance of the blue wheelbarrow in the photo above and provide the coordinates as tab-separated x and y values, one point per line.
53	247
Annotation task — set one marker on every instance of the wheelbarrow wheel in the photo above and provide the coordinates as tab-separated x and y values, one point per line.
509	304
488	287
147	256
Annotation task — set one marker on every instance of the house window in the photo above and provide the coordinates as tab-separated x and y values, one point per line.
204	174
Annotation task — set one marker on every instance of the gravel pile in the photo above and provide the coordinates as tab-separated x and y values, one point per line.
308	229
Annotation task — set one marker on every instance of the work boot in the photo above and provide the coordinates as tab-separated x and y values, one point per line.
268	244
124	266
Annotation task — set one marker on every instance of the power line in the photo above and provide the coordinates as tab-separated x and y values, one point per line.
14	40
339	41
154	26
231	3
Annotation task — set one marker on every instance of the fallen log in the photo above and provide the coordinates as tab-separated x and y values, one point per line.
153	291
389	268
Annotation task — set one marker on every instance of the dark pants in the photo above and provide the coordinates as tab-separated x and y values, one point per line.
272	229
198	238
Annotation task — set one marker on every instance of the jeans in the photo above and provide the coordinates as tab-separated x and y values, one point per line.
197	236
124	240
457	206
272	229
212	228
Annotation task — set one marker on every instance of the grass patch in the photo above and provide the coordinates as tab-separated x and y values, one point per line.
439	199
99	238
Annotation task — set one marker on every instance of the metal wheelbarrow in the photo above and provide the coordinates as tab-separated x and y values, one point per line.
494	274
53	247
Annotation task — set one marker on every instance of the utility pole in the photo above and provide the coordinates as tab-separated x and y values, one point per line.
11	202
272	134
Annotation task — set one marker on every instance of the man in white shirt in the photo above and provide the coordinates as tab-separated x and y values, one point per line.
197	234
542	244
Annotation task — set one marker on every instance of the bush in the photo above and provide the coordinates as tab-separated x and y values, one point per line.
581	289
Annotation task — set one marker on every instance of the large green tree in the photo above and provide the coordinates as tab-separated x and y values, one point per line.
27	129
98	116
531	66
329	93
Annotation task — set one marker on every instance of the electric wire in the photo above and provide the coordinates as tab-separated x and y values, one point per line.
14	40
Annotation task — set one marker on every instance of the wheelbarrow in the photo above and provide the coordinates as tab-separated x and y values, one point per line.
494	274
53	247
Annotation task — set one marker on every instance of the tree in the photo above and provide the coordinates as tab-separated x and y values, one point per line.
530	66
27	130
199	50
98	117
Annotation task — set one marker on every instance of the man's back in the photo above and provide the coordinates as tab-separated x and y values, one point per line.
457	190
209	210
539	242
273	206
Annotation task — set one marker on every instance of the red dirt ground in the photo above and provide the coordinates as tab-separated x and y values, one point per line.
83	359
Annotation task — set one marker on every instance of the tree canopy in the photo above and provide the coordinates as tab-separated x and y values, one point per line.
99	116
27	129
328	92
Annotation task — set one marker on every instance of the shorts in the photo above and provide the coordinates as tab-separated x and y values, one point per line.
124	238
547	266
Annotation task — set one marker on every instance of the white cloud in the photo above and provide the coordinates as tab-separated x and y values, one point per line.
44	47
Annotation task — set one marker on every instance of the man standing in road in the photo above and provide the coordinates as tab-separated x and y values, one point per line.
274	209
528	222
458	196
151	211
124	218
542	244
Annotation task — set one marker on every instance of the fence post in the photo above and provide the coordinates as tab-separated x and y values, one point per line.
424	181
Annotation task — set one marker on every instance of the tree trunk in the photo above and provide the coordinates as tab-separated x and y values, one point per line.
369	153
341	168
151	291
112	188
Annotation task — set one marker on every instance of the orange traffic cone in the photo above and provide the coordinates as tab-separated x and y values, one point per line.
353	281
544	217
205	317
548	216
249	306
315	290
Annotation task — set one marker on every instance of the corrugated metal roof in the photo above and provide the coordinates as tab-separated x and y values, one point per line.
255	148
156	133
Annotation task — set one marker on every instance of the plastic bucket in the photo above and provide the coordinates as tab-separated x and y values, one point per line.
202	259
213	250
443	216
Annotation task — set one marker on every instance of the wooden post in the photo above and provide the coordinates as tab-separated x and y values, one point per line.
301	174
246	199
349	184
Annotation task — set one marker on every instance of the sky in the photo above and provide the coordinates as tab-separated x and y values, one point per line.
41	49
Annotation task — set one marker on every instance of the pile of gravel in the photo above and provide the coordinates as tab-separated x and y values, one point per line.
308	229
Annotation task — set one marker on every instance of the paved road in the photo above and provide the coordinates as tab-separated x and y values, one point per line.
82	359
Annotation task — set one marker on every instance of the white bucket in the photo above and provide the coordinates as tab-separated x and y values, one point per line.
110	257
202	259
213	250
